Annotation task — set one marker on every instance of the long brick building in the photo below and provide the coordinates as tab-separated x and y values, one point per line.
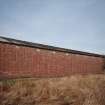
25	59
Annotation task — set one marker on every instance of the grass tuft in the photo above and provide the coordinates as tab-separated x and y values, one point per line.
73	90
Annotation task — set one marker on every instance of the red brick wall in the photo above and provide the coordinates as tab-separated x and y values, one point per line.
26	61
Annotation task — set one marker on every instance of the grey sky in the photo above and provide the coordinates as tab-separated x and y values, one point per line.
73	24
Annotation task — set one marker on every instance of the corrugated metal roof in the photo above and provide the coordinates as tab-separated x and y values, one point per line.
47	47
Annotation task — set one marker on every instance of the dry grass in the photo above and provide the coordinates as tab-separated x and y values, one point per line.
73	90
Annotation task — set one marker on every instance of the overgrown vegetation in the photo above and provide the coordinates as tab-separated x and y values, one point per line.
73	90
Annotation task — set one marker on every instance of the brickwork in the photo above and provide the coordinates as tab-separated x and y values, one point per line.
26	61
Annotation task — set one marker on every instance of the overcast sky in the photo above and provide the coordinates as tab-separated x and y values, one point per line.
73	24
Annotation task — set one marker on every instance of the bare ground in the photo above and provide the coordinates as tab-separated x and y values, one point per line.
73	90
